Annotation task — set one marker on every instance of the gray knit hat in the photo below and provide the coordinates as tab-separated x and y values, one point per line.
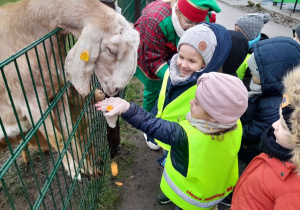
202	38
253	66
296	29
252	23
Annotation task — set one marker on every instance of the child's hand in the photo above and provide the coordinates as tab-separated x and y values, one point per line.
113	106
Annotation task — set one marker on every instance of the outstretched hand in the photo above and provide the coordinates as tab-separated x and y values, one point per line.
111	108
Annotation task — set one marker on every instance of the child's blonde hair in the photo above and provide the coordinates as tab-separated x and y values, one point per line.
172	2
291	84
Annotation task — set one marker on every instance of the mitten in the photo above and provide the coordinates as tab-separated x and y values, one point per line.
111	108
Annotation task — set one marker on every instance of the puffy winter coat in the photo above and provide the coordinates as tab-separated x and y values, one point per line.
274	58
243	71
173	134
220	55
267	183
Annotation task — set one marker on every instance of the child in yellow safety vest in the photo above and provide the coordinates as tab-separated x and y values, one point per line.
202	165
250	25
212	44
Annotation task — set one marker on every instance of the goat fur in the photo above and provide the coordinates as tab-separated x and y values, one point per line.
109	39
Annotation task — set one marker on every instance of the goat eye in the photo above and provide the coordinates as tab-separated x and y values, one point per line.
112	52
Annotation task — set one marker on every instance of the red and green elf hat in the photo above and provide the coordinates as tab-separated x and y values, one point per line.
196	10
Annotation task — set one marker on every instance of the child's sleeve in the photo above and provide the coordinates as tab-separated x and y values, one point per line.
288	201
167	132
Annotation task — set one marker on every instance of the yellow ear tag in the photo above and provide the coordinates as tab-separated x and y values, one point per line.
85	55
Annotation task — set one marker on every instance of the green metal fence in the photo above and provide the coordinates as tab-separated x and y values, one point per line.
44	182
32	173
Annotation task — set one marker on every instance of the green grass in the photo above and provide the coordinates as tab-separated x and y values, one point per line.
134	93
111	195
2	2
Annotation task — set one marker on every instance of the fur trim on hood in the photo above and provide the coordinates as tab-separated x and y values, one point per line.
291	84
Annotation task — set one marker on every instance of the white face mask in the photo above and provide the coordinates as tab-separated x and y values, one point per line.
175	21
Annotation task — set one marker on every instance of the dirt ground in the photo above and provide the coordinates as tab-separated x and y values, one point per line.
14	184
25	182
140	190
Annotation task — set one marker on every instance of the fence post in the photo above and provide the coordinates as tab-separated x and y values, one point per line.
137	9
113	136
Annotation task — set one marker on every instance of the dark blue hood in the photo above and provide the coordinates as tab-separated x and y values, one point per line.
275	57
220	55
224	43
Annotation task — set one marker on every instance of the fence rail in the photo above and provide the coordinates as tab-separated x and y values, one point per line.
36	173
44	182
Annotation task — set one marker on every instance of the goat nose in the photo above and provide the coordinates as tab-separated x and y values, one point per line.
117	90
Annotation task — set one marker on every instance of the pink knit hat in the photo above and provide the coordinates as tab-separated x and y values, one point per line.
222	96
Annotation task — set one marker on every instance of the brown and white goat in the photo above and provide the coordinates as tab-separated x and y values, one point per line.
108	39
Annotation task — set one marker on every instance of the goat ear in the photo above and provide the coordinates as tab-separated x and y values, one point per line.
80	60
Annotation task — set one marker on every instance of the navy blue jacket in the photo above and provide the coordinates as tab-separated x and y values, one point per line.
274	57
161	129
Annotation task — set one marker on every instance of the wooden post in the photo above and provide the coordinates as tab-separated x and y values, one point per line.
113	136
137	9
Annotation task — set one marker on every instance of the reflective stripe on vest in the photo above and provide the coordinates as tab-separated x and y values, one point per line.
185	197
162	94
210	163
176	110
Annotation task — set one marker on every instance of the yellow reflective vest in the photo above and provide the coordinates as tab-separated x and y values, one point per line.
242	68
212	171
176	110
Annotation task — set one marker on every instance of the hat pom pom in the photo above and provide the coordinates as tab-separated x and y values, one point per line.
266	18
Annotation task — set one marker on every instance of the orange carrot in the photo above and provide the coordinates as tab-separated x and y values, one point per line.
119	183
109	108
114	169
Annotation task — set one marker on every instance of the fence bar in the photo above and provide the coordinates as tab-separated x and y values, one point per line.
44	184
137	5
